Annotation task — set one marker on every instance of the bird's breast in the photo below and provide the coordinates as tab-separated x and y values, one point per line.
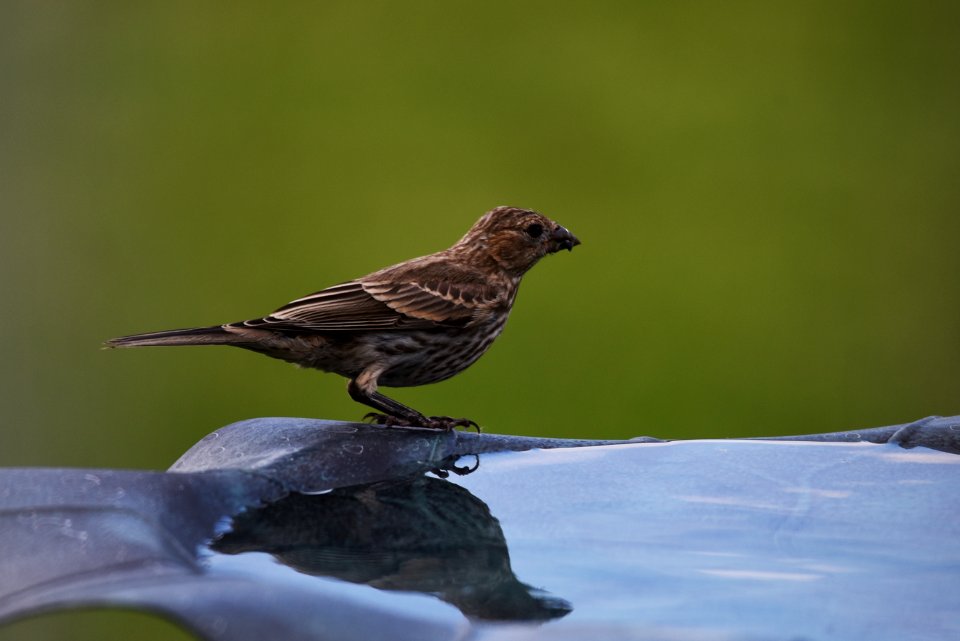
429	356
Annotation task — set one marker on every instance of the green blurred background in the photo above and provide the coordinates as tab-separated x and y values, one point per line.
767	194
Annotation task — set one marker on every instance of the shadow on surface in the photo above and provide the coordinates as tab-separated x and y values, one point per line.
420	534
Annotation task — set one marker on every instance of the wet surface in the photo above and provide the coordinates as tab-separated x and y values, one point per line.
773	540
689	540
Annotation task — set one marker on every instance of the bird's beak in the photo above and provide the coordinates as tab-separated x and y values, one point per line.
561	238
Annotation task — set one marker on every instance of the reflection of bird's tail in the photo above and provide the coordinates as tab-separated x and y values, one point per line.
216	335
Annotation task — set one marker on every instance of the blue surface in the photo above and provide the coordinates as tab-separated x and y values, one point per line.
686	541
773	540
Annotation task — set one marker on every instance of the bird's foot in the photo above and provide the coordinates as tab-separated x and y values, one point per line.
444	423
386	420
447	423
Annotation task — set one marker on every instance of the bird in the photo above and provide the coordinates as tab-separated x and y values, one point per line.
420	321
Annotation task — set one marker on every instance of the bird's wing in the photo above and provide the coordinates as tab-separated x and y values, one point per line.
344	307
379	304
436	289
440	302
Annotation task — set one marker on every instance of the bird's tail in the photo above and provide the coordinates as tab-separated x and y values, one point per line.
216	335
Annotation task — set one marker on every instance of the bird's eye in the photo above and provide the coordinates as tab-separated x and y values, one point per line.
534	230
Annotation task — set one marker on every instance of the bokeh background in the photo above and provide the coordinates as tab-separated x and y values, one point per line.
768	196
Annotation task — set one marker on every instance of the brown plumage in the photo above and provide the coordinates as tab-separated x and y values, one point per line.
417	322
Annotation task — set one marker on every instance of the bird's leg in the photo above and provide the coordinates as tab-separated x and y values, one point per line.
363	389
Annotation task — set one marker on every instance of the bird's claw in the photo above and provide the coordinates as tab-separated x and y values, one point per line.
386	420
448	424
444	423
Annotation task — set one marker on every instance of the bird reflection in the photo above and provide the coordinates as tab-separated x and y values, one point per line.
420	534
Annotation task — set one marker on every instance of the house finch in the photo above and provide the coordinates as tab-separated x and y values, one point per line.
417	322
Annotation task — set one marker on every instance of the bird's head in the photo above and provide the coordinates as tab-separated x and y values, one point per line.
516	238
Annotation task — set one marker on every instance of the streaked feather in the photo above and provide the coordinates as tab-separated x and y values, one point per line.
382	304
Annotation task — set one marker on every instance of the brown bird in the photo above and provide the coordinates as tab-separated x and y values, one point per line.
417	322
